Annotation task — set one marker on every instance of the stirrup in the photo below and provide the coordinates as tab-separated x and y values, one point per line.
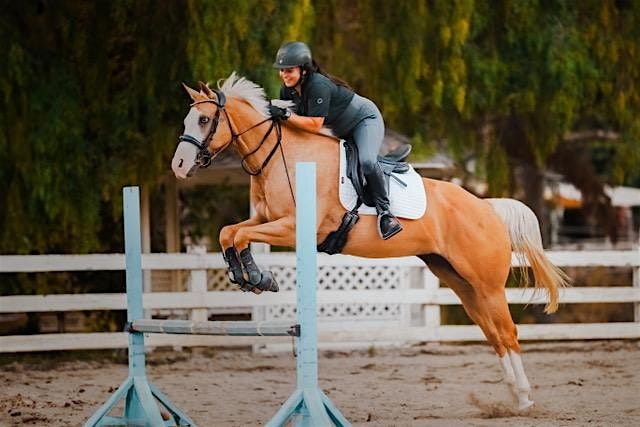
393	230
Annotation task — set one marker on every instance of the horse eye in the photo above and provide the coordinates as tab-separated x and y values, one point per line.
204	120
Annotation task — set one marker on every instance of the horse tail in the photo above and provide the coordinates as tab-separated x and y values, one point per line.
526	242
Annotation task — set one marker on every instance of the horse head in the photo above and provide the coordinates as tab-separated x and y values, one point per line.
245	112
202	139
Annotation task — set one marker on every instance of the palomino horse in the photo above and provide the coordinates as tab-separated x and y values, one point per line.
466	241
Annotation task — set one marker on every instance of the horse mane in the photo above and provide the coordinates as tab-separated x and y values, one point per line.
240	87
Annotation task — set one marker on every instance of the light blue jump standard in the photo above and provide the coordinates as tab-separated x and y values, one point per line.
307	406
140	408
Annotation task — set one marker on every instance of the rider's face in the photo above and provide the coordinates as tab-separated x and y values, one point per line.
290	76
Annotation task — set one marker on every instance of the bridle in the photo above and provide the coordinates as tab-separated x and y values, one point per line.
204	156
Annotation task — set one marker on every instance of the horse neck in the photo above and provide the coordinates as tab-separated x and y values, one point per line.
243	116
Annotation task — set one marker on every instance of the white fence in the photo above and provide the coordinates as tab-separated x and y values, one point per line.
420	294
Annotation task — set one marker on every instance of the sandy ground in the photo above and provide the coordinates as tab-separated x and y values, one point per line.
574	384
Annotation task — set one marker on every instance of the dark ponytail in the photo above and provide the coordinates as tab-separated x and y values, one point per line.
315	68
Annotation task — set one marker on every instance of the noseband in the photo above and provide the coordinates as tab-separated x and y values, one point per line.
204	156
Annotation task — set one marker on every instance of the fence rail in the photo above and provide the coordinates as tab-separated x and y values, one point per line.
427	295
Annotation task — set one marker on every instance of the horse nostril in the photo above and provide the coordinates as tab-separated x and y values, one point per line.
180	163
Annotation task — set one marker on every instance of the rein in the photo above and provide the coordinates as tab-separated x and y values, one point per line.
205	157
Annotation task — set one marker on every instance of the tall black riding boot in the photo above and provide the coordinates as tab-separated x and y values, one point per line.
388	224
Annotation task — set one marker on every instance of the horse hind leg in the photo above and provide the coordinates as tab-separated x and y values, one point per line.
521	388
490	312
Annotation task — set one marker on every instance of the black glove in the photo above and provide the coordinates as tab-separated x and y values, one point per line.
279	114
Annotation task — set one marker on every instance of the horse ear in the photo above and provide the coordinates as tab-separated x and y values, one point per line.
192	93
204	88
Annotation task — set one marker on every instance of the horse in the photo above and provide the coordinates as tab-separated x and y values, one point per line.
466	241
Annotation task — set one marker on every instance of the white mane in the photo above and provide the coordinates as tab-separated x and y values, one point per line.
239	87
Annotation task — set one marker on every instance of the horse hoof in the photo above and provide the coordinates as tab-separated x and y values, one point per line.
525	406
268	282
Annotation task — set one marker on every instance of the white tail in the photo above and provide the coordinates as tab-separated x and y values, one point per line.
526	242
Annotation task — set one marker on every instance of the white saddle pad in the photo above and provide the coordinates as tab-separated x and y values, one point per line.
406	202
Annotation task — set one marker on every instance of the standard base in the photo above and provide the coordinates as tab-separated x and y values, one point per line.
308	407
140	409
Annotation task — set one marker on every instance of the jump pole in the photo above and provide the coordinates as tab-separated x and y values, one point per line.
307	406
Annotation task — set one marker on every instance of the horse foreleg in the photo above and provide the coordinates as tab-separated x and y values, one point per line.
276	233
280	233
228	232
234	266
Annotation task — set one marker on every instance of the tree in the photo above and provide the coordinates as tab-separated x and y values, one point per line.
509	83
92	102
91	99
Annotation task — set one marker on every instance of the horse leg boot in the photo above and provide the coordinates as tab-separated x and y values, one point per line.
234	271
388	224
262	280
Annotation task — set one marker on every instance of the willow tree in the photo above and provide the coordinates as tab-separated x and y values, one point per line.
90	93
524	87
559	74
91	101
91	98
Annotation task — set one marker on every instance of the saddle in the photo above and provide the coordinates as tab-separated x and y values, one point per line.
392	163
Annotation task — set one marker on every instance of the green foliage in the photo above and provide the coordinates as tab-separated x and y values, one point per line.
206	209
91	102
89	90
224	36
90	97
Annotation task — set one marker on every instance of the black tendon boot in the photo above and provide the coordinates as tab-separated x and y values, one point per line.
388	224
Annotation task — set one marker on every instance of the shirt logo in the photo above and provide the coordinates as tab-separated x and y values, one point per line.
319	100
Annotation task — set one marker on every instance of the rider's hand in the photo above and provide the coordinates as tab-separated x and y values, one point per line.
279	114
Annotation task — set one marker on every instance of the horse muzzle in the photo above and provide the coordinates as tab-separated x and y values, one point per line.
185	161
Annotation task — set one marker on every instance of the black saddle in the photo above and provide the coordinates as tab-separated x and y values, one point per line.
392	163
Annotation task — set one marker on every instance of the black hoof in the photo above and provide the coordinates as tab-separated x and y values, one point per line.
268	282
248	287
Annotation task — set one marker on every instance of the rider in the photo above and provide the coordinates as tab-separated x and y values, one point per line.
323	100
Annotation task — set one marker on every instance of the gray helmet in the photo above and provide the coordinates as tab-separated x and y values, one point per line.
293	54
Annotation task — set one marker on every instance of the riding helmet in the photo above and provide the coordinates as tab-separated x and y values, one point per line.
293	54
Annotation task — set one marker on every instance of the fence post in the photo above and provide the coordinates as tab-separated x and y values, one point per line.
636	284
198	283
431	311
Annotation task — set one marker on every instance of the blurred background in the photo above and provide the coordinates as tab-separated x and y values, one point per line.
537	100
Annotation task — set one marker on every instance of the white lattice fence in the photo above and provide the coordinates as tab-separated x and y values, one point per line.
343	278
330	278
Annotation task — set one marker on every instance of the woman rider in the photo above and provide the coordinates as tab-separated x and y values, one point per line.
323	100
